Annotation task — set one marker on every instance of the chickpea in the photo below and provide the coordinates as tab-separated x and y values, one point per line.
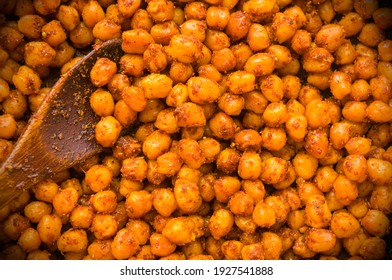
100	250
379	171
220	223
38	54
29	240
317	212
202	90
49	228
381	199
73	240
225	187
65	200
373	248
376	223
217	17
136	41
316	143
317	60
180	230
320	240
257	37
264	215
104	226
344	224
265	59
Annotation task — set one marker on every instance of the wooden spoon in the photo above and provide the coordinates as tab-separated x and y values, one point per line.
61	133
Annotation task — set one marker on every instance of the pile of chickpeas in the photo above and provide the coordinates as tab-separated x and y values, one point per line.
231	129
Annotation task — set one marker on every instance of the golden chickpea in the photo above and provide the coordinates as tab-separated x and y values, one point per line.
380	171
98	177
373	248
381	87
272	87
317	212
49	228
238	25
355	168
180	73
252	65
220	223
160	245
305	165
191	153
195	28
82	216
365	67
283	27
296	127
264	215
345	190
101	101
225	187
344	224
242	53
330	37
38	54
124	245
231	104
8	126
104	226
45	190
381	17
202	90
273	138
275	170
107	131
184	48
53	33
156	144
187	196
250	165
180	230
4	89
65	200
29	240
317	113
100	250
30	25
104	201
15	225
231	249
68	17
217	17
252	252
317	60
128	7
352	23
381	199
376	223
258	38
156	86
35	210
103	71
301	41
316	143
228	160
163	32
73	240
222	126
379	111
136	41
275	114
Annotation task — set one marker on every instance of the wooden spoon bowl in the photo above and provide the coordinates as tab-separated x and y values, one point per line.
61	133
